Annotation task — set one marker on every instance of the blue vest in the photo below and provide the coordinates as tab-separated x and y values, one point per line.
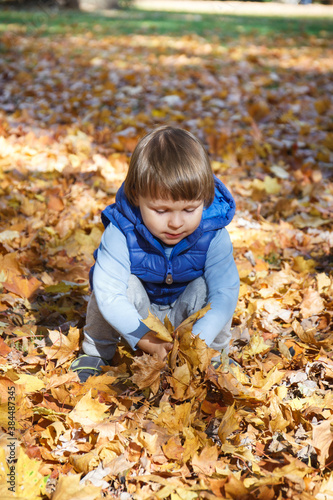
165	279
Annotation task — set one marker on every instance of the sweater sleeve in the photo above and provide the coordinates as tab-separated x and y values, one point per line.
222	280
110	280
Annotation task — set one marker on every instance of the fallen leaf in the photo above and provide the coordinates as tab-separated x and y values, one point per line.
312	303
70	488
64	346
322	440
147	371
205	463
157	326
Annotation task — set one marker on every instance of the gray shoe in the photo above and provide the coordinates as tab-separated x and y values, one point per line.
87	366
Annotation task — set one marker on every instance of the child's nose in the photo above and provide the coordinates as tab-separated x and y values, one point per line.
176	220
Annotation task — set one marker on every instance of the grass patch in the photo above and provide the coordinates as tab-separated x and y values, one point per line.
133	21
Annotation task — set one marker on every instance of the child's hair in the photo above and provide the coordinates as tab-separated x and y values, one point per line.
170	162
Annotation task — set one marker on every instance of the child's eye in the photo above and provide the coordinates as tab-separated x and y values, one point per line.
189	210
160	211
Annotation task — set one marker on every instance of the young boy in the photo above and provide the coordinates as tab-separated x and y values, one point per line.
165	248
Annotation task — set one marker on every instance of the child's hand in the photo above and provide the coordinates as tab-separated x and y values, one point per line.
150	344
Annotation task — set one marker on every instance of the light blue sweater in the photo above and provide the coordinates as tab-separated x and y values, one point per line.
111	275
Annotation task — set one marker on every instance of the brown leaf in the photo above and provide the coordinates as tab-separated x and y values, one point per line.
147	371
64	346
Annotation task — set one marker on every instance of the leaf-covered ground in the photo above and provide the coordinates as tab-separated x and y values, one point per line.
74	102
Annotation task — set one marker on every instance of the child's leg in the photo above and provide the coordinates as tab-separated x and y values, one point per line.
194	298
100	338
221	342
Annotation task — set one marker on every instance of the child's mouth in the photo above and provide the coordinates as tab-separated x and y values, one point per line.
173	236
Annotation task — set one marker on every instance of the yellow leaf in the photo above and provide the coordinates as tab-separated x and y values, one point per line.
229	424
3	465
88	411
302	265
86	462
52	433
192	443
323	281
30	382
173	449
69	488
157	326
277	422
255	346
88	242
272	185
174	418
180	380
326	489
195	351
184	494
28	478
158	113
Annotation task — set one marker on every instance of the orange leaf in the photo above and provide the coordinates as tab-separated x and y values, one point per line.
23	287
4	349
205	463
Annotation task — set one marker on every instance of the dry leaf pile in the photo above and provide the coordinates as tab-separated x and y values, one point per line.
73	108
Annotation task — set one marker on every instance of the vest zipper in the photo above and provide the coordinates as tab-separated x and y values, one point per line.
169	278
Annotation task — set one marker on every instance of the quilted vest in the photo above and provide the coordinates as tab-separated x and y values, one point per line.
165	279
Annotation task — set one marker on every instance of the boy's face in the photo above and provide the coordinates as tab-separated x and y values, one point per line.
168	220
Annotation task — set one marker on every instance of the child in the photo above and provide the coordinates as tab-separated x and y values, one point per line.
165	248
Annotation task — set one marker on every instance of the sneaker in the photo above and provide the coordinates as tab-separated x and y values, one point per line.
216	364
87	366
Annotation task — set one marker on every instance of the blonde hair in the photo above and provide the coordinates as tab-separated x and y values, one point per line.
170	162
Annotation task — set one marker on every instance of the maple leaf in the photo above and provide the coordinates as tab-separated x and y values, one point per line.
146	371
205	462
229	424
157	326
64	346
70	487
322	440
312	303
23	287
88	411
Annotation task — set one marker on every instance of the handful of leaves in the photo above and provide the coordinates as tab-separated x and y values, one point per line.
188	359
